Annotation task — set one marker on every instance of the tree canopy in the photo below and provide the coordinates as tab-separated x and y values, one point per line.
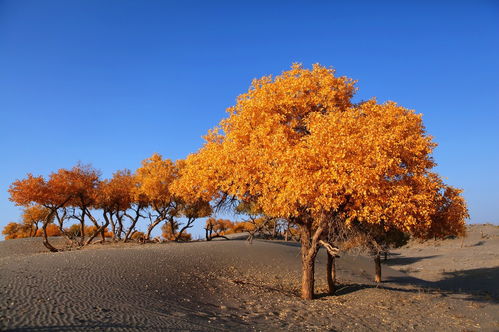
299	148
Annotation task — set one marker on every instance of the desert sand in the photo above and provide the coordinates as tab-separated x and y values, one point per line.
234	285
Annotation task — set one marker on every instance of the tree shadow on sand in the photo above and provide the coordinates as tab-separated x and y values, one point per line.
348	288
406	260
480	285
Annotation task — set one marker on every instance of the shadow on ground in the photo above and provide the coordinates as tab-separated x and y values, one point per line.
406	260
479	284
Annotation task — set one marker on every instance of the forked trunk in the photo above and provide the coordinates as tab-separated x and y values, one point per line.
131	230
151	227
309	248
100	231
148	233
331	274
377	265
188	225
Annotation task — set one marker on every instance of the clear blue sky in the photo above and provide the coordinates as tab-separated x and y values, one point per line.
111	82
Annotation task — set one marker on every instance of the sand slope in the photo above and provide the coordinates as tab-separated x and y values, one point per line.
219	285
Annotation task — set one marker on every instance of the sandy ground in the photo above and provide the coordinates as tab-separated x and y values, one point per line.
232	285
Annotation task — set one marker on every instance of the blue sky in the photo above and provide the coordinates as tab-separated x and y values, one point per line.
111	82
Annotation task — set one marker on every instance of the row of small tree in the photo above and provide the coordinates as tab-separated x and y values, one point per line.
296	153
79	195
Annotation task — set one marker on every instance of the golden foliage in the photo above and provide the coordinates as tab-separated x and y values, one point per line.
172	235
75	230
297	147
154	179
63	188
116	194
34	214
52	230
138	236
15	230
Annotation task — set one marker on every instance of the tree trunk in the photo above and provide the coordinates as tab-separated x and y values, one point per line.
151	227
307	282
82	232
386	256
99	230
113	229
377	265
172	227
188	225
309	248
134	219
119	231
331	273
45	237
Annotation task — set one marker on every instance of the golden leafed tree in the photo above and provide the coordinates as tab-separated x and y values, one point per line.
14	230
74	188
36	190
34	215
154	179
297	147
114	197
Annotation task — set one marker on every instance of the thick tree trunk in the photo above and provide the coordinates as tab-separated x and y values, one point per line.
386	256
331	273
377	265
309	249
307	282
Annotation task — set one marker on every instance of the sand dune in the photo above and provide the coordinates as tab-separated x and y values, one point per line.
227	285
